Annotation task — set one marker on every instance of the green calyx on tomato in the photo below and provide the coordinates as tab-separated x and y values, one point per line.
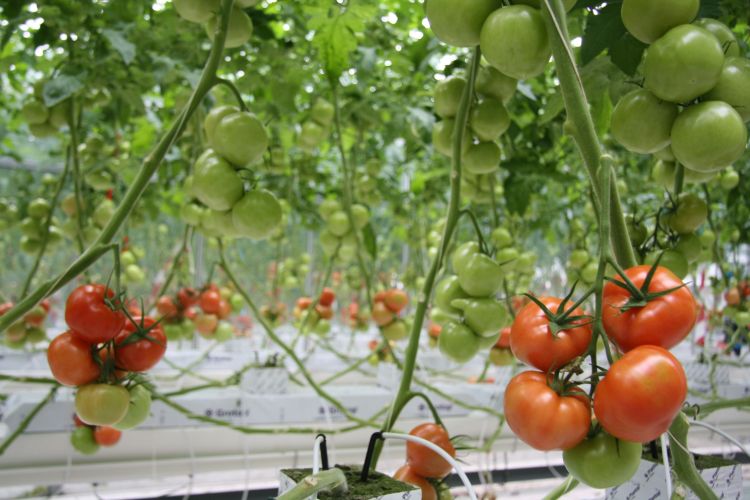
603	461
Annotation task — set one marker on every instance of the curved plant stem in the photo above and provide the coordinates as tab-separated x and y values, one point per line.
47	223
564	488
26	421
716	249
581	125
280	343
176	262
233	88
683	463
410	357
28	380
77	178
137	187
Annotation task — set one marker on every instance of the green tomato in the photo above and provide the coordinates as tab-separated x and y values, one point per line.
442	317
100	180
35	335
588	273
480	276
484	316
525	262
361	215
311	135
328	207
691	212
603	461
665	154
514	40
722	33
102	404
578	258
38	208
322	112
215	183
82	439
197	11
139	408
69	205
458	342
31	228
637	230
214	117
396	330
239	31
642	123
237	301
127	258
241	138
689	245
329	242
508	258
709	136
501	357
729	179
442	137
191	213
322	327
172	331
224	331
648	20
134	274
42	130
58	114
257	214
338	223
462	254
482	158
489	119
446	291
103	212
30	245
707	238
488	342
217	223
742	318
448	94
733	86
501	238
35	113
458	22
672	260
683	64
491	83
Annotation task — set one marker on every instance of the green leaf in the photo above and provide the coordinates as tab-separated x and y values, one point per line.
370	241
627	53
60	88
602	30
517	194
120	44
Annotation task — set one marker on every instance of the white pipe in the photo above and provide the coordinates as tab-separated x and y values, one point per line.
667	471
439	451
316	454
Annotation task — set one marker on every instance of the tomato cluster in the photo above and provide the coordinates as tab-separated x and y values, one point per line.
87	439
386	307
425	468
340	235
356	317
204	311
200	11
99	351
317	320
45	121
221	206
317	127
33	227
29	329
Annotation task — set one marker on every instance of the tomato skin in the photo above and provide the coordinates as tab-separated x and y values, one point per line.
647	20
396	300
504	341
225	309
143	354
665	321
422	460
543	419
89	317
381	315
457	22
327	296
641	394
139	408
406	474
188	297
458	342
107	436
166	307
209	301
533	343
82	439
71	361
642	123
102	404
603	461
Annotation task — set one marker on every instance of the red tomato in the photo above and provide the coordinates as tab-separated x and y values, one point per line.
107	436
71	361
327	296
90	317
732	296
641	394
36	316
380	296
210	301
206	323
225	309
434	330
541	417
138	350
395	300
78	422
191	313
188	297
324	312
532	341
373	344
381	315
424	461
504	341
166	307
664	321
304	302
407	475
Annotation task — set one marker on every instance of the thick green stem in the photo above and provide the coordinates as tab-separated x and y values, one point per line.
682	461
579	121
679	180
410	356
563	489
138	186
77	177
